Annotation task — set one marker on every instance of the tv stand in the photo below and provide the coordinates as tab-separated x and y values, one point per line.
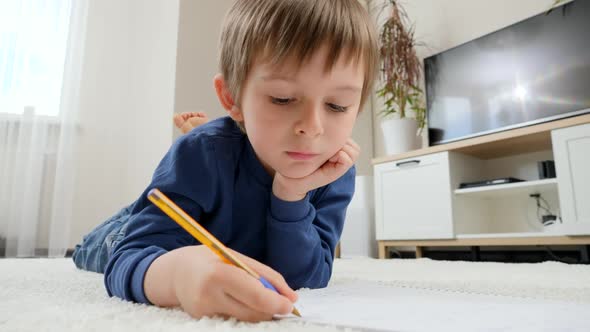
419	204
493	240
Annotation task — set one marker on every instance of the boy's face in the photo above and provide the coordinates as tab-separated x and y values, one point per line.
297	119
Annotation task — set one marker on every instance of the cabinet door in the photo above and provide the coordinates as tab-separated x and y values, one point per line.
571	150
413	198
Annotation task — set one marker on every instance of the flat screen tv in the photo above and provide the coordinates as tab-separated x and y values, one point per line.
533	71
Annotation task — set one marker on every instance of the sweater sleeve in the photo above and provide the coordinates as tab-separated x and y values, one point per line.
302	235
150	233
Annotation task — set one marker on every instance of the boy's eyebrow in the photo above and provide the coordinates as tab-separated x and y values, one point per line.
350	88
275	77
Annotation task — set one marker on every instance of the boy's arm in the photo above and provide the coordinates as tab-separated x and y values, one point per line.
301	237
150	233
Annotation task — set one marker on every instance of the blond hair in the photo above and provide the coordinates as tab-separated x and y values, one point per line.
277	30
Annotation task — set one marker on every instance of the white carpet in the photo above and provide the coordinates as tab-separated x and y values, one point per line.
52	295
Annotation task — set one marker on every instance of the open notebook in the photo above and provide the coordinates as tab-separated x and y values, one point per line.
377	306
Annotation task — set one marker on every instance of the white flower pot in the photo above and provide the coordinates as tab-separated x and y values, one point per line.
400	135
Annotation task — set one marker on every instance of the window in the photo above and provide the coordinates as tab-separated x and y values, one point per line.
33	41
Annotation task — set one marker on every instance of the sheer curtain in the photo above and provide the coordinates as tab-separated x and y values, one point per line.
41	55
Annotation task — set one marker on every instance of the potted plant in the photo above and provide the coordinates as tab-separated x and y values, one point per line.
401	71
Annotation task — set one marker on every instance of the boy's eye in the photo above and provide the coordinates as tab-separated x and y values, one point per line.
281	101
337	108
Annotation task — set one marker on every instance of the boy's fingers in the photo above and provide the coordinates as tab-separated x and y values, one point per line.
275	278
351	142
249	291
347	158
338	164
351	153
234	308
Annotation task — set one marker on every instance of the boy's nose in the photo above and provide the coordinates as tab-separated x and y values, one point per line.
310	123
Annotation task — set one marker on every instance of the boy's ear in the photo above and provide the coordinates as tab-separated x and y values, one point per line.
226	99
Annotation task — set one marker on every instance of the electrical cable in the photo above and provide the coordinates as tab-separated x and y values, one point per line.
542	204
562	260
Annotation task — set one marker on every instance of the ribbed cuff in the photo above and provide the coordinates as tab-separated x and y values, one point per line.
289	211
137	291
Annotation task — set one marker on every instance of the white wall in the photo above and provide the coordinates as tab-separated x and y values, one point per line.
127	100
198	34
441	25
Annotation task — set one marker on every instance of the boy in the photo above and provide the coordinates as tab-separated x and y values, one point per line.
271	181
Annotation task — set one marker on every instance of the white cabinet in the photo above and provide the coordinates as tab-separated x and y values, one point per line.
413	198
571	149
418	201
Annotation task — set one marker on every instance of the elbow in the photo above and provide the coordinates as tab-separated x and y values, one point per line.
317	278
311	283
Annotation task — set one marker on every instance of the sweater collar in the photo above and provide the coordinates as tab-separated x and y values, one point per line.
255	166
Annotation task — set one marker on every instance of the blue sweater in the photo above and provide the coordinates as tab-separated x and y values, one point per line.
214	175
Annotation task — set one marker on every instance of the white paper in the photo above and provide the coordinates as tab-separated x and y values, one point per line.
377	306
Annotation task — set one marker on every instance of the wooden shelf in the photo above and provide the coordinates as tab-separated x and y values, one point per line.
507	239
500	236
504	190
502	144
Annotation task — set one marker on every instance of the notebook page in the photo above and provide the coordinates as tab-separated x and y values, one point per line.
377	306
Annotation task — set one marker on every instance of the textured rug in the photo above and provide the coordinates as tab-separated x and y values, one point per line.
52	295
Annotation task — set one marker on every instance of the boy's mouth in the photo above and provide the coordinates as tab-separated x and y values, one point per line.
300	155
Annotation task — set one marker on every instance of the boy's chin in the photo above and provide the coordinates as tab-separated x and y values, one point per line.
298	172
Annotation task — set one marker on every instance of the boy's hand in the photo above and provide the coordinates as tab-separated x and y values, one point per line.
205	286
290	189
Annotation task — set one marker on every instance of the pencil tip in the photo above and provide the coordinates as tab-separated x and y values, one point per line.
296	312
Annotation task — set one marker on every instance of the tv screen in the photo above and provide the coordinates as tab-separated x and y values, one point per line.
533	71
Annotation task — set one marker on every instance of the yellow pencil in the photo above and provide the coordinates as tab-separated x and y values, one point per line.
202	235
